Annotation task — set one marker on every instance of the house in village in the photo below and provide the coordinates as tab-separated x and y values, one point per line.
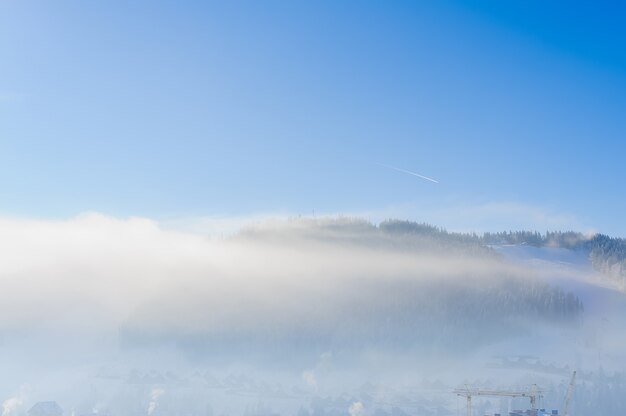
46	409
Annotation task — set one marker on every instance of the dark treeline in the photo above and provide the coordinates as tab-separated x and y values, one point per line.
428	318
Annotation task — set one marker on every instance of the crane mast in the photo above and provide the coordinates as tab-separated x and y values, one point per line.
568	396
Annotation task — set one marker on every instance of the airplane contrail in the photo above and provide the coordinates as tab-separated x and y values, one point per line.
408	172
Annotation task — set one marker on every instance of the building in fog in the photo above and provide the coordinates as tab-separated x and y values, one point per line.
46	409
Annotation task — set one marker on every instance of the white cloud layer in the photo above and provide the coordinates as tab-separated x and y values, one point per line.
95	271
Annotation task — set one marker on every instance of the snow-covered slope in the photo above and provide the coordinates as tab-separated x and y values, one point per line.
548	256
600	339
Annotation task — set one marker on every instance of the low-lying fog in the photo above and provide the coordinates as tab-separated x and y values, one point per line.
301	316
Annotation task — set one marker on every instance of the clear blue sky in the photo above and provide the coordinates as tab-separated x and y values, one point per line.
167	109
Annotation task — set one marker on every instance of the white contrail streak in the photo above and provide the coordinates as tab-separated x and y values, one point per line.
409	173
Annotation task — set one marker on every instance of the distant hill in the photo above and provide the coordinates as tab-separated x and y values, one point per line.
606	254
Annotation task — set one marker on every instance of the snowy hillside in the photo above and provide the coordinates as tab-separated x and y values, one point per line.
604	302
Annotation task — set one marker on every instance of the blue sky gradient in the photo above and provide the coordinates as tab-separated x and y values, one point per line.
191	109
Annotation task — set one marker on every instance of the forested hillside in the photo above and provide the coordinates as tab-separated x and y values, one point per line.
399	283
607	254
